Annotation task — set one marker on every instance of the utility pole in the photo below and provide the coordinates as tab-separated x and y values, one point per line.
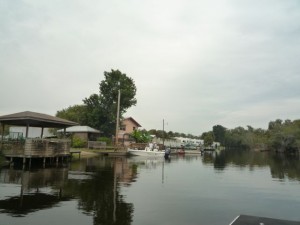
118	115
163	132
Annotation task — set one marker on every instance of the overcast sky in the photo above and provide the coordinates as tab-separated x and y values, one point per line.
196	63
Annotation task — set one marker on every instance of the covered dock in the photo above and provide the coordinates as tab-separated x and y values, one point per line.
31	148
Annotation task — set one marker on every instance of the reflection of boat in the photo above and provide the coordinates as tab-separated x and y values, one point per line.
180	152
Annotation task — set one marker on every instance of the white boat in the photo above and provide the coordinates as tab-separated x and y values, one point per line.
146	152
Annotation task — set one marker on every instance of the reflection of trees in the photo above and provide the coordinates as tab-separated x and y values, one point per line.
285	166
281	165
100	196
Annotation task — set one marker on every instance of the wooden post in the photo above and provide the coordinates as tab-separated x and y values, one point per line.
42	132
2	138
27	128
44	162
24	162
2	132
11	163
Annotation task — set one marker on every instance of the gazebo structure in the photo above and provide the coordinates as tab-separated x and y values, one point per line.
29	148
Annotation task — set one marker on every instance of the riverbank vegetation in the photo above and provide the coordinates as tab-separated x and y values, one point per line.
281	136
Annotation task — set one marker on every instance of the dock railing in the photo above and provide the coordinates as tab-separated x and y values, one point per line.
36	147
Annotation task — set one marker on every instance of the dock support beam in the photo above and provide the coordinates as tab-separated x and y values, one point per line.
24	162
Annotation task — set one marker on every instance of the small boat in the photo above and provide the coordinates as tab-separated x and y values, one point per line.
146	152
151	150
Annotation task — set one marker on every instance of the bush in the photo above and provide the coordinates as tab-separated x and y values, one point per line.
77	142
105	139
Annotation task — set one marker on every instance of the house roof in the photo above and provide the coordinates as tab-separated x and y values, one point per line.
34	119
133	120
80	129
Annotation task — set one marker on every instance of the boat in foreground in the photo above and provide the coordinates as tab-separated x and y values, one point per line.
255	220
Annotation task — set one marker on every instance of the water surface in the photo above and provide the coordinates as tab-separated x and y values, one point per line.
202	189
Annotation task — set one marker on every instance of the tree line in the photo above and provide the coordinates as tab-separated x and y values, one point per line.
281	136
99	111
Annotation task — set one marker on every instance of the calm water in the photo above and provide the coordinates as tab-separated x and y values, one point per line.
209	189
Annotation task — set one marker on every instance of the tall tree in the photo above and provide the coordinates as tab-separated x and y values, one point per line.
219	133
100	110
103	108
208	138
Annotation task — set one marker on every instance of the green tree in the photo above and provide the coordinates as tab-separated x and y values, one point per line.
76	113
100	110
141	136
109	88
208	138
219	133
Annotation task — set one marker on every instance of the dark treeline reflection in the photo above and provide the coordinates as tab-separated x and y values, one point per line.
281	166
93	183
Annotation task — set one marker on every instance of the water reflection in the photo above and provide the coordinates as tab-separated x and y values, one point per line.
95	183
31	183
281	166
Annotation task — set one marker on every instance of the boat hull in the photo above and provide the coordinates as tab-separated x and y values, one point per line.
137	152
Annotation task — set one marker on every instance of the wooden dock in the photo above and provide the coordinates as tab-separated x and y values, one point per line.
52	150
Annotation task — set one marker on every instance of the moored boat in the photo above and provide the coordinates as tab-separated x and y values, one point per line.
146	152
151	150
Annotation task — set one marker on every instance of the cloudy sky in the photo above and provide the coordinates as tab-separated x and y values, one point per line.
196	63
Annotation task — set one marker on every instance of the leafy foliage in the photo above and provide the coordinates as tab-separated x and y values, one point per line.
219	133
107	140
208	138
76	113
280	136
77	142
141	136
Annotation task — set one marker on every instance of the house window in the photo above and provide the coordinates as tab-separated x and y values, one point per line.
123	127
133	128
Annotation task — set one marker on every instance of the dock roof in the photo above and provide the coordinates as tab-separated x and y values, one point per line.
34	119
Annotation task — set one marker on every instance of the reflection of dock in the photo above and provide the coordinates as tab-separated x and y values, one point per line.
31	180
33	196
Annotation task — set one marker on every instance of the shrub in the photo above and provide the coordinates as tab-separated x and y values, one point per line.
77	142
105	139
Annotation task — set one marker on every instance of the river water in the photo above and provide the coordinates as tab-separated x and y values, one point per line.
210	189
